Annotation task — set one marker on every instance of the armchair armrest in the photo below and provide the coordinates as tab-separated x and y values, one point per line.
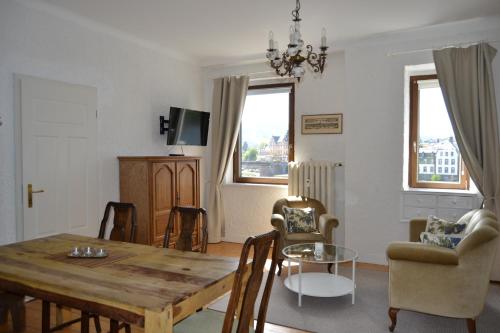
419	252
326	224
417	226
278	222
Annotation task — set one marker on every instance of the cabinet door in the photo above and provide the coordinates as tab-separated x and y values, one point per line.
187	191
164	188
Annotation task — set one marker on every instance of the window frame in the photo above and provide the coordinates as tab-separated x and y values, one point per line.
413	145
237	178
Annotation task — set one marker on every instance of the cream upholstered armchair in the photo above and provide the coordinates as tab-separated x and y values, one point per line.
442	281
324	223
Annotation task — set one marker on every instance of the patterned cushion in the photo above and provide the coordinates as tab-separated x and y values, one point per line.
300	219
439	226
444	240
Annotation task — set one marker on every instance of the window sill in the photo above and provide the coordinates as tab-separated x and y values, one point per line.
255	185
471	192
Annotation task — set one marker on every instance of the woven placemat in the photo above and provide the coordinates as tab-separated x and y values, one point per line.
113	256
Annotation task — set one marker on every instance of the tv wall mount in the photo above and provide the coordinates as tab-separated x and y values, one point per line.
163	125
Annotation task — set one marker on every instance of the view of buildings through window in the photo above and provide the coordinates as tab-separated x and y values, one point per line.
438	154
264	136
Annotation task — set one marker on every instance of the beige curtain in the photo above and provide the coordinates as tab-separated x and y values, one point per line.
466	79
227	108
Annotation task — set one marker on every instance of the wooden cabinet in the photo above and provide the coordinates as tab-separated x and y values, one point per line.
155	185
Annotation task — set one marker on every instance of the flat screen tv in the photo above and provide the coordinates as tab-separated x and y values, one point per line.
187	127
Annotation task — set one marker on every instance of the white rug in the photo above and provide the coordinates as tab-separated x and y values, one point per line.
368	315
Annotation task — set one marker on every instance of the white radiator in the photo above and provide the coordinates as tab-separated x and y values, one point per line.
313	179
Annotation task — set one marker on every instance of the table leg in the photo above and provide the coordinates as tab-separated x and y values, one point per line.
336	262
300	282
353	279
159	322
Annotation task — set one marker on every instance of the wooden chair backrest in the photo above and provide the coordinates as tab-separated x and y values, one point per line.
124	222
189	216
246	284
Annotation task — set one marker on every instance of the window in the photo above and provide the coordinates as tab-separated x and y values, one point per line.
265	143
431	134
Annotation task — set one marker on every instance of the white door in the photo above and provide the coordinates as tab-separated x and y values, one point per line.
59	157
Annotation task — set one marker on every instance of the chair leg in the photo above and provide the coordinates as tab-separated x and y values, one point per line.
393	314
45	317
280	266
3	315
97	323
330	268
85	322
114	326
18	314
471	325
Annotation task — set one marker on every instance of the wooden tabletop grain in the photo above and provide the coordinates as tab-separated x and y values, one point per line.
139	284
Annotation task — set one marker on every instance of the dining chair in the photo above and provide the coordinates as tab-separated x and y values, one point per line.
188	218
123	230
246	286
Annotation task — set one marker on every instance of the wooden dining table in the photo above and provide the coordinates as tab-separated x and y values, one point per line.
142	285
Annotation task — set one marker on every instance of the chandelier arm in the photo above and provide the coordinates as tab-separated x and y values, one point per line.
315	60
283	62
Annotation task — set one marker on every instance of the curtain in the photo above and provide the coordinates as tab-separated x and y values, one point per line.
227	108
466	79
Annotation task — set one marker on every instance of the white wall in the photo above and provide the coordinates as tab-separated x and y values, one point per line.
366	86
135	85
374	149
248	208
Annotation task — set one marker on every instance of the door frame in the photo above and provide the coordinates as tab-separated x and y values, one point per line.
18	146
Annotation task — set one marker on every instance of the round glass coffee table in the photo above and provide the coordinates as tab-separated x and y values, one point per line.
320	284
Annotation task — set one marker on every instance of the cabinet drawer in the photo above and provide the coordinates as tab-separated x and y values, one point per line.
451	214
451	201
418	212
420	200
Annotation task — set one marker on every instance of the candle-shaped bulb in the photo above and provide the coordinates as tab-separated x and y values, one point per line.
271	40
292	31
323	37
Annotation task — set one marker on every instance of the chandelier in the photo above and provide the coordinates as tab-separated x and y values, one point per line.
290	61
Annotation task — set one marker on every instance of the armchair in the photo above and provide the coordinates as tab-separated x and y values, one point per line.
441	281
324	222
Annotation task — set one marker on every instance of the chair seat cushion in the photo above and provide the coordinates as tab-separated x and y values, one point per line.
206	321
305	237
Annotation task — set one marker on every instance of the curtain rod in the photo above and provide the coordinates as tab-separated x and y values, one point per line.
392	54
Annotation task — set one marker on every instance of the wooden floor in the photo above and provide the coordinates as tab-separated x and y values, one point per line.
34	308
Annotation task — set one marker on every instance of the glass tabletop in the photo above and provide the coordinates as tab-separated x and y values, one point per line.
319	253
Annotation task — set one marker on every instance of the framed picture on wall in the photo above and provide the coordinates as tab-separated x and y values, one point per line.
322	123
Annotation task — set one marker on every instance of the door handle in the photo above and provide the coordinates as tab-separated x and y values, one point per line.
30	195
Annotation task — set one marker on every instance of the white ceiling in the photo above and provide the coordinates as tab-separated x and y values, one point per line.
215	31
